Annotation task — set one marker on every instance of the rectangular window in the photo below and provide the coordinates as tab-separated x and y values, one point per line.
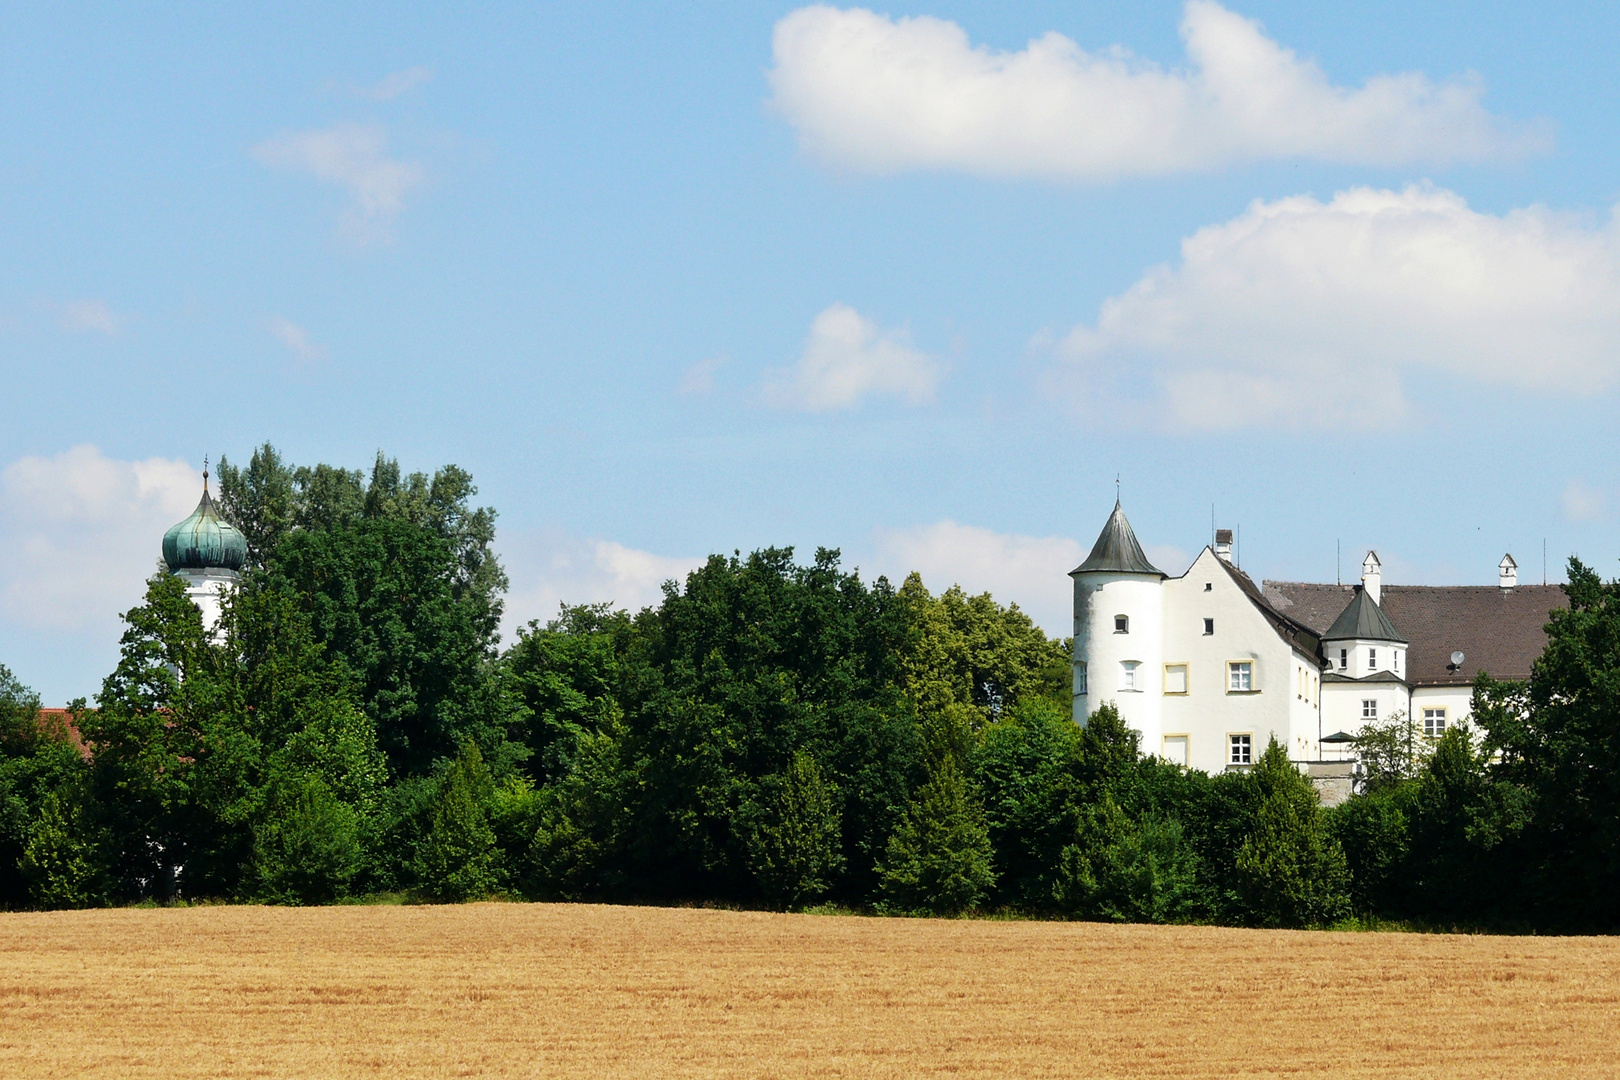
1241	750
1080	680
1175	678
1397	663
1122	624
1175	750
1240	676
1369	708
1344	659
1372	659
1434	722
1209	626
1127	675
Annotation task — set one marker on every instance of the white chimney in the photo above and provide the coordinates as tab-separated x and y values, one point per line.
1507	572
1223	544
1372	575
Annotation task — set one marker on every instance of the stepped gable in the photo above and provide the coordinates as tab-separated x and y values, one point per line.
1499	631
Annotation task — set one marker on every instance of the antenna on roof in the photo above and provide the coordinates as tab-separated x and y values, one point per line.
1338	562
1116	487
1544	560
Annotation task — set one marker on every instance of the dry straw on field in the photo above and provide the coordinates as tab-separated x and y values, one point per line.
543	990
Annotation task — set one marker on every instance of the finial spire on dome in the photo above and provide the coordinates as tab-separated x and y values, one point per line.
204	540
1117	549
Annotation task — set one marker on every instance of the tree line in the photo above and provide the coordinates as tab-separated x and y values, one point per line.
772	733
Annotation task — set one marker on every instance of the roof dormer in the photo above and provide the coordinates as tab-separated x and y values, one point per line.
1507	572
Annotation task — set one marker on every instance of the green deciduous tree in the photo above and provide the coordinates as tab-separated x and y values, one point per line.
794	845
939	858
308	847
1289	870
459	859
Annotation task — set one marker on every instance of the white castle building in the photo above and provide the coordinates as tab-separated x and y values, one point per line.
1209	666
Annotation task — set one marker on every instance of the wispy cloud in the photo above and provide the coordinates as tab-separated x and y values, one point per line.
353	157
88	317
551	568
698	380
871	93
849	358
390	87
103	517
298	342
1298	313
1583	502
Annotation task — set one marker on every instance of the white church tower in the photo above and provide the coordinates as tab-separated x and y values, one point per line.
1119	631
206	552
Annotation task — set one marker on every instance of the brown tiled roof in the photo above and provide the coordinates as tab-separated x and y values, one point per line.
1499	631
58	723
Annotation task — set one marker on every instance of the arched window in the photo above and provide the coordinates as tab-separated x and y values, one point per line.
1122	624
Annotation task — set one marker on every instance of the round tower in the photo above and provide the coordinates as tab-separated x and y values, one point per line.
1119	630
205	551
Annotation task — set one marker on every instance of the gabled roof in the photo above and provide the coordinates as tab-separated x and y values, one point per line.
1117	551
1296	633
1497	630
1363	620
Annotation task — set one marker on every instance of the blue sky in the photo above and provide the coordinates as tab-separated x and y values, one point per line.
679	279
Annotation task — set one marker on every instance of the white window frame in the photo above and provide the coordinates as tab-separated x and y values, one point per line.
1080	679
1372	659
1432	713
1369	713
1240	677
1240	748
1127	675
1344	659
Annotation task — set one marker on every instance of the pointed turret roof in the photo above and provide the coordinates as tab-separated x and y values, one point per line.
1363	620
1117	551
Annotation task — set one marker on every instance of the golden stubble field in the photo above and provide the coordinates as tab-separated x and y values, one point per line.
586	991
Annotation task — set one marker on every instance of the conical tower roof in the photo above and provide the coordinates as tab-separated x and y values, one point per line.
1117	551
1363	620
204	541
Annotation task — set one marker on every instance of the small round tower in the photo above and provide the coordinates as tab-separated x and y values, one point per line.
205	551
1119	630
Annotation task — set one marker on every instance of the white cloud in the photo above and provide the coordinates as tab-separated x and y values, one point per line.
80	533
88	317
698	380
551	568
354	157
1031	571
1582	502
1298	312
391	86
848	358
298	342
870	93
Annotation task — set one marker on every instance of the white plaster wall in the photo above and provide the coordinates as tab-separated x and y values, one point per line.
1341	704
1388	657
207	589
1208	713
1458	701
1097	599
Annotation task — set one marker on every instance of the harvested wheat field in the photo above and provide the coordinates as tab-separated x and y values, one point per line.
559	990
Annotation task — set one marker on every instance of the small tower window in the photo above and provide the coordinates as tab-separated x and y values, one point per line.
1369	708
1209	626
1080	679
1372	659
1122	624
1209	586
1127	675
1397	662
1344	659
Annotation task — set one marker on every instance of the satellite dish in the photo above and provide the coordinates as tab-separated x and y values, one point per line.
1457	659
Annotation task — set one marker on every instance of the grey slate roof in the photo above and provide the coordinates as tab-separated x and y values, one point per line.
1499	631
1362	618
1117	551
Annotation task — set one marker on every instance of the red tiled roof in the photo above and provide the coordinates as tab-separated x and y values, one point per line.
59	724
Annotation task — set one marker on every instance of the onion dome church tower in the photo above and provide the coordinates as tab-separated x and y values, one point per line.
206	552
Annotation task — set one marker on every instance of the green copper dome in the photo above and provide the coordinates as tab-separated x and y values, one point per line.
204	540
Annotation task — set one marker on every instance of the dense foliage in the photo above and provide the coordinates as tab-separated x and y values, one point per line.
771	733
